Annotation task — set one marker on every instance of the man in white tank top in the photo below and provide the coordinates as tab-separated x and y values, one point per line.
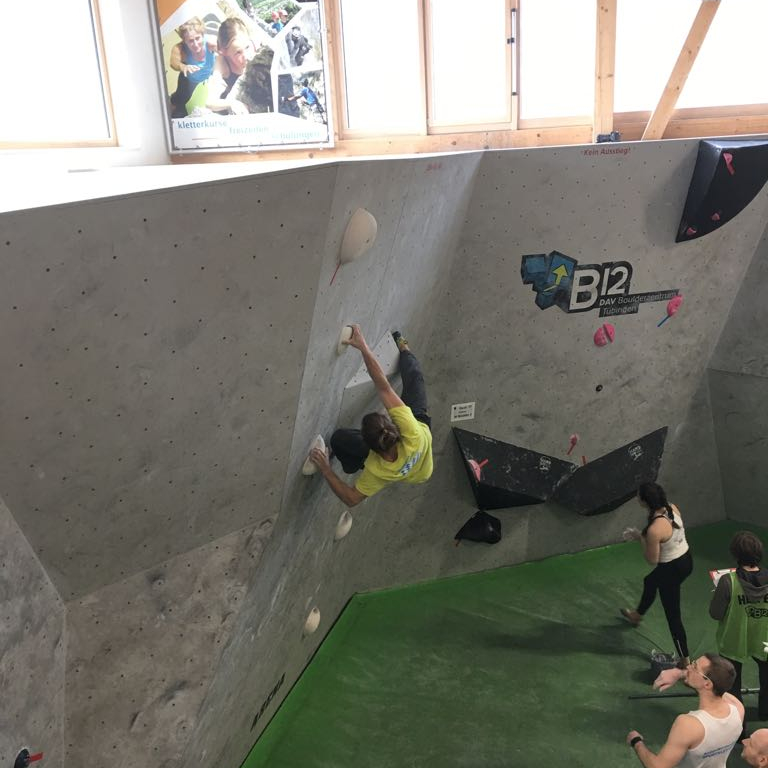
704	737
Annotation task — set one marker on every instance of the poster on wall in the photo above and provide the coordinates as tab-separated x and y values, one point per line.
243	74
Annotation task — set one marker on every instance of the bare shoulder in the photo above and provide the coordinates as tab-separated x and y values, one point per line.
687	730
660	528
736	703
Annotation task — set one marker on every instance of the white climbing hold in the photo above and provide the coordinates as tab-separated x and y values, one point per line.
309	467
359	236
312	622
344	336
343	526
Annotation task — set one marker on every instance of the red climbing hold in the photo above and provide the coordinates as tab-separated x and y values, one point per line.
728	157
477	469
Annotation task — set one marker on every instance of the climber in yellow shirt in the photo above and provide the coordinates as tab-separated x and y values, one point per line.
390	447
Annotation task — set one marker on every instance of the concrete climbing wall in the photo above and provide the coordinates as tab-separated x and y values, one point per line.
738	380
535	374
171	355
154	348
32	652
397	284
143	652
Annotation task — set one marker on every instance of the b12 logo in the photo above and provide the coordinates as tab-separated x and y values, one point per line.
558	280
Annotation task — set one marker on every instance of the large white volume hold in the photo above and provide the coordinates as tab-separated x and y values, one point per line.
309	467
312	622
359	236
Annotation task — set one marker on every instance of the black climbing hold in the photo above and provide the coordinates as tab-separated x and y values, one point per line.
727	177
504	475
481	527
610	481
510	476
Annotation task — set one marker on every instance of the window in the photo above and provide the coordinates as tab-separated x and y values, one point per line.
470	77
419	66
557	58
732	63
57	99
382	55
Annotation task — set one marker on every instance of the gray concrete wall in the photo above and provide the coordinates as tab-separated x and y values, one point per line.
143	652
397	285
172	354
739	382
32	652
154	350
534	373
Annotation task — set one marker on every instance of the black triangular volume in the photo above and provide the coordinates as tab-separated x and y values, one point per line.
481	527
504	475
727	177
606	483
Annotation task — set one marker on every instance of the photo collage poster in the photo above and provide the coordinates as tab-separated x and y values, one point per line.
244	74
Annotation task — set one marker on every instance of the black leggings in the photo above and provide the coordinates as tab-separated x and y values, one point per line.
667	578
348	445
762	700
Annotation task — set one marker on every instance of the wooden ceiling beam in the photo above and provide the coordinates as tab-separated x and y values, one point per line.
605	65
690	50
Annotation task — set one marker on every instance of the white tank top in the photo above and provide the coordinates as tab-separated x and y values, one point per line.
720	734
677	544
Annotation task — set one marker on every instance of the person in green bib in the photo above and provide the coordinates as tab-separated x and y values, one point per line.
740	604
390	447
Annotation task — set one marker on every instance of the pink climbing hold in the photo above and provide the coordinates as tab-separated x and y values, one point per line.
604	335
477	469
728	157
672	306
691	231
715	216
572	443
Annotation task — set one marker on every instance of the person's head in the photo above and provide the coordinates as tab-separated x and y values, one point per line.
296	31
275	16
746	549
192	34
755	751
305	82
710	672
652	496
283	14
235	44
380	433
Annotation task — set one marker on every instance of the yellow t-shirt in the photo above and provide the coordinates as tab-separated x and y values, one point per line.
414	456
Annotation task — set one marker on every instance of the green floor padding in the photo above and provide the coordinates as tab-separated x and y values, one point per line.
527	666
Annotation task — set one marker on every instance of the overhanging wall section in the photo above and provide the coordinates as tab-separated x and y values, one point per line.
419	208
738	379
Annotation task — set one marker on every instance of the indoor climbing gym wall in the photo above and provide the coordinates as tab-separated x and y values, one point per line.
738	381
32	651
172	355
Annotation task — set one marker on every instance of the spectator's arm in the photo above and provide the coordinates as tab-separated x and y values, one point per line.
718	606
